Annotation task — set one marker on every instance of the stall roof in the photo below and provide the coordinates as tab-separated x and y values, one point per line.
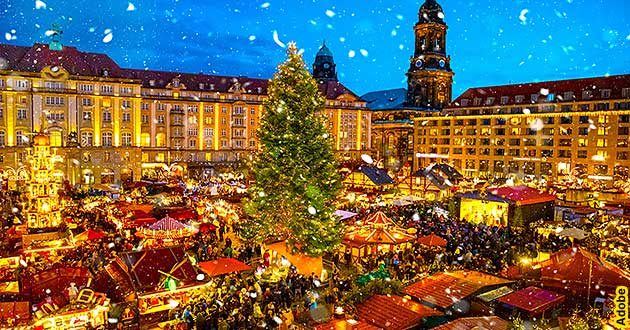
377	175
222	266
57	280
143	267
523	195
393	312
445	289
469	323
532	299
495	294
19	310
345	325
573	267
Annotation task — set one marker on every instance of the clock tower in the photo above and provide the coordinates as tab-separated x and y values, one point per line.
324	68
430	78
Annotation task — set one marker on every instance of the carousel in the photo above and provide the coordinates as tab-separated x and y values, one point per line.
377	233
165	232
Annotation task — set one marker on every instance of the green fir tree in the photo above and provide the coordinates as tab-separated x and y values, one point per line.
297	180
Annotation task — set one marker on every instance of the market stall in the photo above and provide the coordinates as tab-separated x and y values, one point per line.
394	312
531	301
164	232
368	178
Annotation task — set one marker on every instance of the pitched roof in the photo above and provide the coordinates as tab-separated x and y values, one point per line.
555	88
333	89
377	175
35	58
476	323
144	267
523	195
445	289
387	99
393	312
344	325
532	299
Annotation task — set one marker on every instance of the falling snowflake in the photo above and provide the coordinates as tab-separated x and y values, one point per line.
522	16
108	36
312	210
544	91
367	158
276	39
330	13
265	5
131	7
39	4
351	54
364	52
252	38
537	125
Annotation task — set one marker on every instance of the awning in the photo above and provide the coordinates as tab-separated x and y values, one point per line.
222	266
432	240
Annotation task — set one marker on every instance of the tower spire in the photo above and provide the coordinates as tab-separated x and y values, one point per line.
55	33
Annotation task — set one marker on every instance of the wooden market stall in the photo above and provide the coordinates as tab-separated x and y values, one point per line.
506	206
153	282
531	301
377	233
368	178
394	312
485	322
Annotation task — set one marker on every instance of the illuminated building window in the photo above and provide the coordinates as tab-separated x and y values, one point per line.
20	139
145	119
145	157
126	117
126	139
106	139
55	139
145	140
87	139
192	143
602	142
602	131
2	139
21	114
86	101
107	117
545	168
160	140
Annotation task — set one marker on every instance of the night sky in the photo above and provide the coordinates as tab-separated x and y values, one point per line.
491	42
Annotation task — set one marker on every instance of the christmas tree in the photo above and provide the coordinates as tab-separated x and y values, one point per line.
295	169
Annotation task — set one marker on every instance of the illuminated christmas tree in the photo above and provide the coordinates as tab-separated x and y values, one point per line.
43	210
296	170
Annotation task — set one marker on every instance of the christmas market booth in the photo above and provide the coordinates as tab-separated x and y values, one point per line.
531	301
376	233
455	292
152	283
436	181
506	206
368	178
394	312
476	323
165	232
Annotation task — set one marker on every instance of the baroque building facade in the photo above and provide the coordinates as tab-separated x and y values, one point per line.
109	124
429	90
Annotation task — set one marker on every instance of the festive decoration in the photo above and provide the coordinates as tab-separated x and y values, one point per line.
43	211
296	170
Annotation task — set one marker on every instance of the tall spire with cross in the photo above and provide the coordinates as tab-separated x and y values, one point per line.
55	33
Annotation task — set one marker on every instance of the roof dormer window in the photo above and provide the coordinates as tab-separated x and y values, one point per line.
201	85
519	98
152	83
605	93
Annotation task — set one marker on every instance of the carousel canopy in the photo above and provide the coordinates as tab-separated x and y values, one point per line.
167	223
393	312
222	266
532	300
377	229
574	268
486	322
445	289
432	240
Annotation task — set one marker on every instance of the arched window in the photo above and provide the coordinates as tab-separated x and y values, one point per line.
87	139
106	140
126	139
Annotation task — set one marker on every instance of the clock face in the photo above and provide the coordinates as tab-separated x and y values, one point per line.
419	63
442	63
326	65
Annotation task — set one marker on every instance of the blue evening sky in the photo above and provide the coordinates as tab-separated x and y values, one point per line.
491	42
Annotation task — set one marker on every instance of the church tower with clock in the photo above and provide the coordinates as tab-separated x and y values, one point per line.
430	78
324	68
